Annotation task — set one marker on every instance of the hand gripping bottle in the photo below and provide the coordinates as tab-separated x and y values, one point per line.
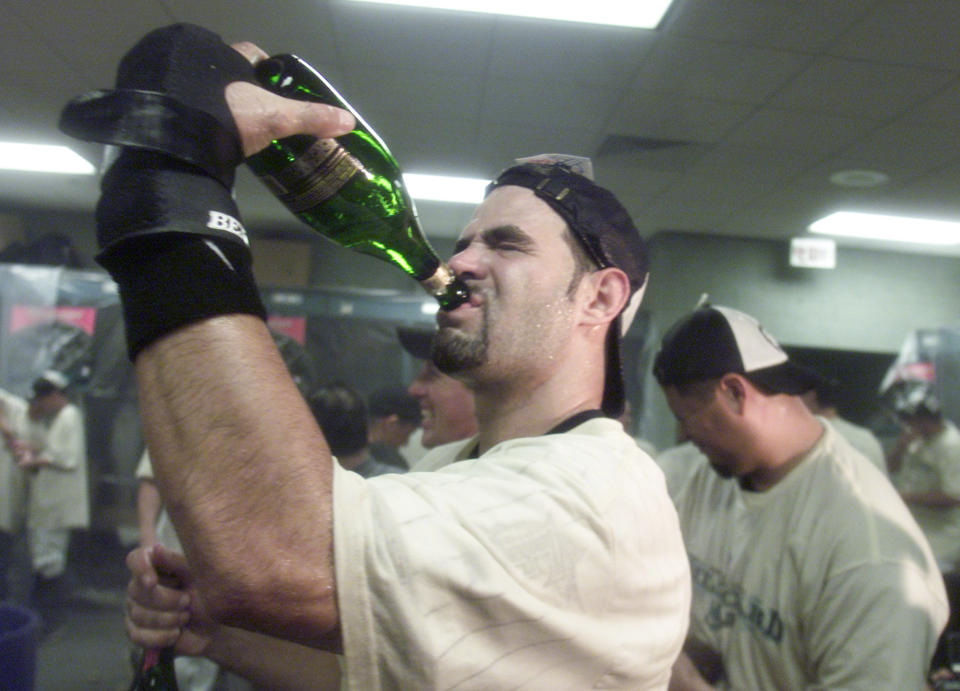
349	189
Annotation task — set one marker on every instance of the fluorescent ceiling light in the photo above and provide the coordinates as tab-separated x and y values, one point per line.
893	228
43	158
441	188
639	14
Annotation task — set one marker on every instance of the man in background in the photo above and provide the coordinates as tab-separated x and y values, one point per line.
55	458
925	467
808	570
446	404
393	416
342	415
822	399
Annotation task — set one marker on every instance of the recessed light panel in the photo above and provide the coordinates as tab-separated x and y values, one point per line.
638	14
890	228
43	158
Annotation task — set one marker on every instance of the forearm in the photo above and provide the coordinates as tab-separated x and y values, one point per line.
275	664
245	475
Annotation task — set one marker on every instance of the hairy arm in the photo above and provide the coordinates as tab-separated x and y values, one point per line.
246	477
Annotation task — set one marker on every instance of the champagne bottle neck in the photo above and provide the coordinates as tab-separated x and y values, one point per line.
446	287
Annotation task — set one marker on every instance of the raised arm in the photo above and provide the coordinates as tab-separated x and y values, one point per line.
245	475
239	460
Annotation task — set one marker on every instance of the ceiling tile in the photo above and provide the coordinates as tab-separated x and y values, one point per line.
466	93
631	181
937	192
717	71
500	142
813	133
81	43
716	192
562	50
405	38
858	89
922	34
562	104
423	148
444	220
781	213
941	108
311	36
807	26
754	168
648	114
435	95
816	179
902	145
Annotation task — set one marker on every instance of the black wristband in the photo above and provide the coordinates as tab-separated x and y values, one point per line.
144	193
170	280
166	220
173	244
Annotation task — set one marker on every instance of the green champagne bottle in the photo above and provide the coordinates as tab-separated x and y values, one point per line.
156	672
350	189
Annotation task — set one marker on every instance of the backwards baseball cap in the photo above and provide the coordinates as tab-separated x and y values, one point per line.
605	231
713	341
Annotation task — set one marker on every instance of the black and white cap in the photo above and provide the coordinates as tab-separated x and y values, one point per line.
713	341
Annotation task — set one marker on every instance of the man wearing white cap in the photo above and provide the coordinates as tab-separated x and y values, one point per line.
55	455
808	569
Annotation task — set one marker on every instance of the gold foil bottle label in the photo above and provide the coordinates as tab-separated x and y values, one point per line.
314	176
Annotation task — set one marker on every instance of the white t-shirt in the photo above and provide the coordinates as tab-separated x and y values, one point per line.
824	581
553	562
59	497
934	464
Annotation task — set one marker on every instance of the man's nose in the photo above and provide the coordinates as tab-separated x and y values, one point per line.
468	262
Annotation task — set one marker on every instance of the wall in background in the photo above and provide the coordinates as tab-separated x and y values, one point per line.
868	303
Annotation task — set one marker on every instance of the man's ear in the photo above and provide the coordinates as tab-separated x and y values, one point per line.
609	293
733	391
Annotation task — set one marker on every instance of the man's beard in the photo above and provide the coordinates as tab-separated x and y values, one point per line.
454	351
